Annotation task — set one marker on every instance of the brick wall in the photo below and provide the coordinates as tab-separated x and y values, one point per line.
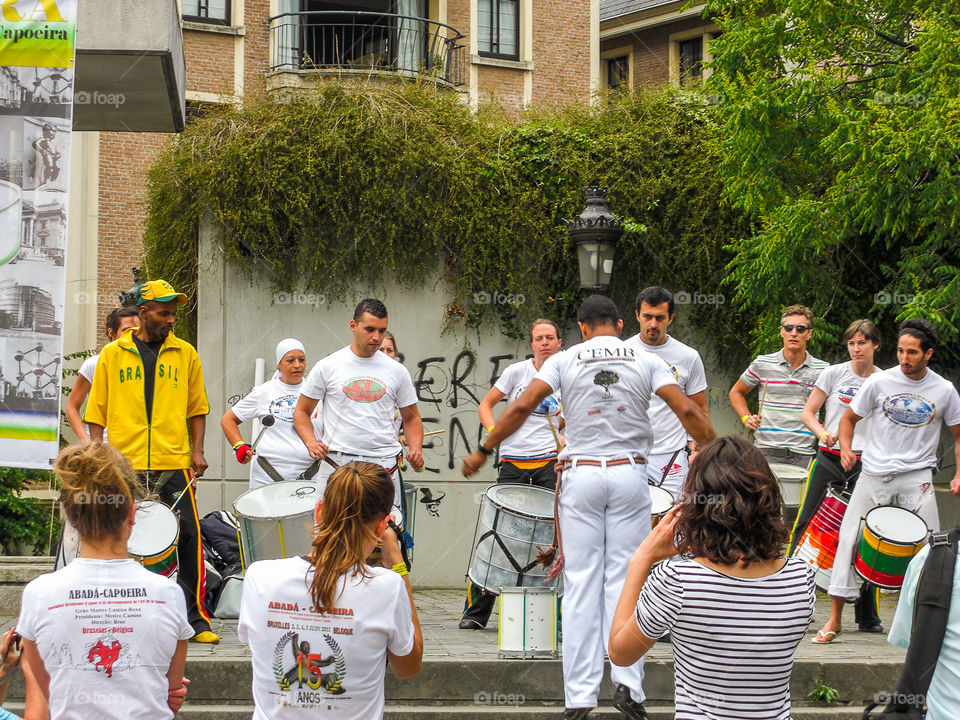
502	86
561	51
210	61
651	51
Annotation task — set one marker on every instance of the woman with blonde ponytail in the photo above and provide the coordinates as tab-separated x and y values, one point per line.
321	628
102	637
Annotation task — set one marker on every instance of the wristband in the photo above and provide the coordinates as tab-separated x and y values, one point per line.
238	443
821	435
484	451
490	429
400	568
744	419
241	449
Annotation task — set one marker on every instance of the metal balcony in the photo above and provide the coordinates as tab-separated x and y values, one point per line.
377	42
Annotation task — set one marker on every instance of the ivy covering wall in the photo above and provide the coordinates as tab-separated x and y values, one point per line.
346	186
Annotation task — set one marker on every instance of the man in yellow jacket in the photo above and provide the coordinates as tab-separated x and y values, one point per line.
148	389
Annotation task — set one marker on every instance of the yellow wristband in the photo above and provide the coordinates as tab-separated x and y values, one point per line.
400	568
239	444
744	419
822	435
490	429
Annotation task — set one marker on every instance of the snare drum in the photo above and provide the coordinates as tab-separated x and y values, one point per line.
818	544
276	520
891	537
153	542
791	479
661	500
528	623
514	520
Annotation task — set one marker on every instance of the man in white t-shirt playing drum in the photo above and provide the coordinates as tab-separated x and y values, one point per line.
604	509
361	389
668	461
907	405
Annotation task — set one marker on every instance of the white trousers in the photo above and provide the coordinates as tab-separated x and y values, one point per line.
388	462
911	490
604	516
676	473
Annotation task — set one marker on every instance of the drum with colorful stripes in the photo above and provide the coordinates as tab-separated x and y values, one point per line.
891	537
818	544
153	541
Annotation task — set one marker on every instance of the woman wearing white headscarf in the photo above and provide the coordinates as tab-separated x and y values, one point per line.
280	454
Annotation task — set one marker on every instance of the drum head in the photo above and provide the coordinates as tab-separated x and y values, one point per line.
278	500
525	500
155	529
785	471
660	500
896	525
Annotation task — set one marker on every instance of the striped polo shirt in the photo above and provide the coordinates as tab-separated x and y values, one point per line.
782	403
733	638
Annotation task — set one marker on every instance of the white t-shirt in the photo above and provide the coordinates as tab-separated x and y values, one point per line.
606	385
687	368
86	371
309	664
360	397
280	444
905	419
534	439
106	631
840	384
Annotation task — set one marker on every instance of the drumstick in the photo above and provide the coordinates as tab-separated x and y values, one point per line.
433	432
266	421
556	438
193	479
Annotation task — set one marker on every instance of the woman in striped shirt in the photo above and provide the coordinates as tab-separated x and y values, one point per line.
735	607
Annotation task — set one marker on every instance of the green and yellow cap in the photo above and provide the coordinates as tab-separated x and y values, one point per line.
158	291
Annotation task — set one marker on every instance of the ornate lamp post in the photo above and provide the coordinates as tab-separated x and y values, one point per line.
595	232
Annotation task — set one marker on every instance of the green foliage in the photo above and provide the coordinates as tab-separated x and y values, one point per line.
823	693
354	185
840	134
25	521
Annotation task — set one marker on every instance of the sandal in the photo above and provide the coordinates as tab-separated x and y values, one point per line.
825	636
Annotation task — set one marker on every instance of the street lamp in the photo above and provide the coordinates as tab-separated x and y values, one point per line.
595	232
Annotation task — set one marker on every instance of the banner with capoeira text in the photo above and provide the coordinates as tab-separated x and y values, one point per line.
37	51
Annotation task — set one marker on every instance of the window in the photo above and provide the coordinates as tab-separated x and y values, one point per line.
691	60
207	11
618	72
498	28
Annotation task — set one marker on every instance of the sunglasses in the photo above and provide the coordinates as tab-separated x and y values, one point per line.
799	328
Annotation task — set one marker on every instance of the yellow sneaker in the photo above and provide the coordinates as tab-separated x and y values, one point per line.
206	637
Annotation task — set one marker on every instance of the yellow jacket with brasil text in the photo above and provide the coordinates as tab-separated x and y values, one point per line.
117	402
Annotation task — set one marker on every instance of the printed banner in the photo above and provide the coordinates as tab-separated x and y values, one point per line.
37	52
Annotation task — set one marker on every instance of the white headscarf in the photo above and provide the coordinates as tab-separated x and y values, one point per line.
285	346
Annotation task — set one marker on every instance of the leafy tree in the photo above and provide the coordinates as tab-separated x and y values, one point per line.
840	137
606	378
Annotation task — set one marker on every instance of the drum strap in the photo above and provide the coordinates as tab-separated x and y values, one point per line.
521	569
269	469
666	470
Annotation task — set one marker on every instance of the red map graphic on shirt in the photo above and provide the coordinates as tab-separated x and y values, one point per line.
364	389
108	656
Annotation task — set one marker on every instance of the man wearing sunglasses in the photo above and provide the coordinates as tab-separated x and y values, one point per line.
785	379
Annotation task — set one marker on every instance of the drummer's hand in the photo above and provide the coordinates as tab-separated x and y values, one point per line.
390	548
317	450
556	569
660	543
472	463
9	654
694	447
848	459
829	439
198	463
563	442
244	453
752	422
176	697
955	485
415	458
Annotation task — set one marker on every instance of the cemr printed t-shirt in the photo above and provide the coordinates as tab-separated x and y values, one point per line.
534	439
360	397
905	418
280	444
106	631
840	384
606	385
687	367
327	663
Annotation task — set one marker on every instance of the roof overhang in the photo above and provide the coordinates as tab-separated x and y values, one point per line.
649	18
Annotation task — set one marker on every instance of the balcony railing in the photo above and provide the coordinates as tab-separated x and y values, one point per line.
355	40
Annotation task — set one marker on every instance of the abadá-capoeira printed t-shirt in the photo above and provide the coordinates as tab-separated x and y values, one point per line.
905	419
280	444
360	397
534	439
840	384
106	631
328	663
687	367
607	385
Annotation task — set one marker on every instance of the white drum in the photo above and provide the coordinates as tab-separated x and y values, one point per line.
661	500
276	520
792	478
153	542
528	623
515	522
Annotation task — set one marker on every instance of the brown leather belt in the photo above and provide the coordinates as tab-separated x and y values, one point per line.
609	463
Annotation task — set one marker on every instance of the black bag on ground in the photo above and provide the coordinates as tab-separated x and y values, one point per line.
220	543
931	608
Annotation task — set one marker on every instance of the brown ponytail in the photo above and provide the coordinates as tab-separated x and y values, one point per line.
99	488
358	495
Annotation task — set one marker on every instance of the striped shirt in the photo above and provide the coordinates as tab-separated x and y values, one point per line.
782	403
733	638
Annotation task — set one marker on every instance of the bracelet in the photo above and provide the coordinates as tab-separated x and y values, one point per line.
490	429
400	568
821	435
744	419
238	444
484	451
